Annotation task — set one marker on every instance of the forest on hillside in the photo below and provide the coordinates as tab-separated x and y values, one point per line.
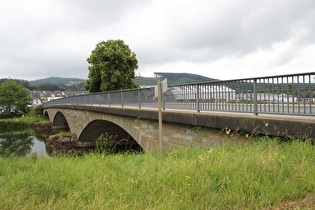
75	84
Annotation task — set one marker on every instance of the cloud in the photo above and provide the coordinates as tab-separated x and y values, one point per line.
243	35
241	27
236	37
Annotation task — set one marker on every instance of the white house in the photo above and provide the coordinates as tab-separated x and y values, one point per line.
205	92
36	101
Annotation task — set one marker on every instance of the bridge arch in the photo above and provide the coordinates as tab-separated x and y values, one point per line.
96	128
60	121
82	121
45	114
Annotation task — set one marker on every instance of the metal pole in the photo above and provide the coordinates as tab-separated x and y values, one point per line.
255	97
139	98
198	94
122	98
108	95
163	100
160	116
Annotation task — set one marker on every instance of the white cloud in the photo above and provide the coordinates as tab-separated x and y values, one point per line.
219	39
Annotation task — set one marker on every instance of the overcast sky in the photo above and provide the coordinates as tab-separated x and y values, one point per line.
226	39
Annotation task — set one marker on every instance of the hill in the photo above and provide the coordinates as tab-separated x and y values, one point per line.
172	78
183	78
143	81
56	80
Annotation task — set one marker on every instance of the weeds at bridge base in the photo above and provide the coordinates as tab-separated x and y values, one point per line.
107	144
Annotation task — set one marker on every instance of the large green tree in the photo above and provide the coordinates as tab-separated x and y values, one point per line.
112	67
14	98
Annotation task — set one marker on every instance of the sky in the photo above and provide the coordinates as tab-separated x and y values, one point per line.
226	39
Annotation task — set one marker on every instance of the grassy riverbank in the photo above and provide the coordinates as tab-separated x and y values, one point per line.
20	122
255	175
27	121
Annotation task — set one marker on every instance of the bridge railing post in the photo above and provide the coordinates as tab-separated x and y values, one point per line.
198	97
109	102
255	97
99	99
163	100
139	98
122	98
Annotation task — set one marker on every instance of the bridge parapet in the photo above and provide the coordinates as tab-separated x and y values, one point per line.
285	94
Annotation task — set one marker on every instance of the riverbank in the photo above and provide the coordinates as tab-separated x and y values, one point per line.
28	121
20	122
262	174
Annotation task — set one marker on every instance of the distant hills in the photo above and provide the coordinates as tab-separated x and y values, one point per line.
60	83
172	79
183	78
56	80
145	81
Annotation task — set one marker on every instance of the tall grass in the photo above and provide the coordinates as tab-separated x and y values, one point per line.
253	175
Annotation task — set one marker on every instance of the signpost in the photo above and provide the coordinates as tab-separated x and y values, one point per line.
160	116
161	88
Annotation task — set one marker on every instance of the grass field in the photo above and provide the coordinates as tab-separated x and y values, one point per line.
263	174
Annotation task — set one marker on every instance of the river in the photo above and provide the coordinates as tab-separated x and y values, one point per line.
22	143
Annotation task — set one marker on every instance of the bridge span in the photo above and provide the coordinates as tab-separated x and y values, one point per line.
194	114
180	127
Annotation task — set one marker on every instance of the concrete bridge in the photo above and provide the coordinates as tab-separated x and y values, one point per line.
202	114
180	127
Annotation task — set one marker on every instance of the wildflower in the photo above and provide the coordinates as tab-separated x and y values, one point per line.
187	177
227	130
209	151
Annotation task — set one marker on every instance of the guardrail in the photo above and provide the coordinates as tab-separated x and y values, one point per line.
285	94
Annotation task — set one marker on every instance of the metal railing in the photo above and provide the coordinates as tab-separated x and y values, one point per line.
285	94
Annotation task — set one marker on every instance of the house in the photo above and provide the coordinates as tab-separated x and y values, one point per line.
36	101
203	92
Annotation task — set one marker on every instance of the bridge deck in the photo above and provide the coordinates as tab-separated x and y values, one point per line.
277	125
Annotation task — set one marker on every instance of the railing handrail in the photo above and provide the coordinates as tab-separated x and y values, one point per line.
247	78
237	95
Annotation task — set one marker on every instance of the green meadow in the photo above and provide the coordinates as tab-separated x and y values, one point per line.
267	173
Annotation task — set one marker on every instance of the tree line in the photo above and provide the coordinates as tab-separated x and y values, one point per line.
78	86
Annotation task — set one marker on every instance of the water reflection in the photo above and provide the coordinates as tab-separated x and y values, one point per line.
21	143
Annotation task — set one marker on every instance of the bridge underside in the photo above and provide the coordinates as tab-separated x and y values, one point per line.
121	139
98	127
60	122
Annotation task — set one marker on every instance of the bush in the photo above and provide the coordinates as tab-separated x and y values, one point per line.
38	110
7	115
105	144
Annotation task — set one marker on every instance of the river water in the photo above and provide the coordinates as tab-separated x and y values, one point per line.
22	143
